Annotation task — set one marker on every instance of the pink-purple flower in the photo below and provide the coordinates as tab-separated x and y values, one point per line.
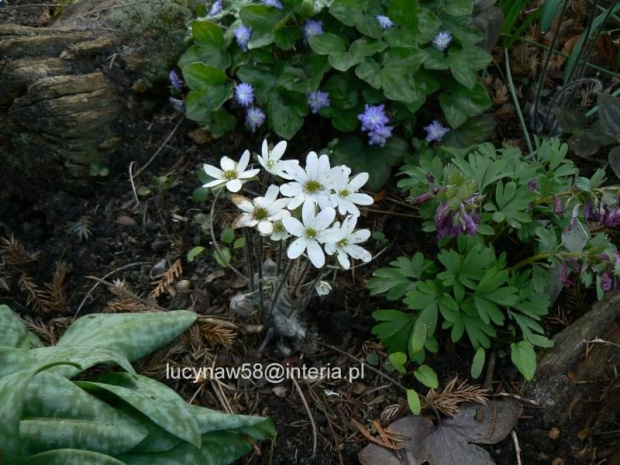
318	100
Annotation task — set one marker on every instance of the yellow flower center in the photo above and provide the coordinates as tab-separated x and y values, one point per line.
260	213
230	175
344	193
343	243
312	186
271	163
310	233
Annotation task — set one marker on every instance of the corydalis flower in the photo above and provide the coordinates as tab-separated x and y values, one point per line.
459	221
216	8
311	232
346	196
271	160
244	94
242	35
380	135
347	244
254	118
273	3
178	105
442	40
175	80
232	174
318	100
260	212
607	216
384	22
312	184
436	131
312	28
373	117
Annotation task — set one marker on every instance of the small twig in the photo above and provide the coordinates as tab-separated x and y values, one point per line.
488	381
133	185
602	341
517	448
519	398
161	147
229	324
303	400
92	289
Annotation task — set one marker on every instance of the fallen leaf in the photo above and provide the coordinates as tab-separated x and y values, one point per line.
450	443
199	136
215	275
126	221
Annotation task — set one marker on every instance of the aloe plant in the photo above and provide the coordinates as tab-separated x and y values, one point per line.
116	418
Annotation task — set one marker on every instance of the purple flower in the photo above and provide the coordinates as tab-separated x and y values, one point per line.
254	118
312	28
318	100
435	131
457	222
216	8
532	185
385	22
273	3
175	80
564	272
423	198
558	206
243	34
373	117
606	282
244	94
178	105
442	40
380	135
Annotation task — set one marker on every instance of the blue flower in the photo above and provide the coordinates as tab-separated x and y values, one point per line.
273	3
255	118
244	94
373	117
175	80
243	34
380	135
385	22
312	28
216	8
178	105
442	40
436	131
318	100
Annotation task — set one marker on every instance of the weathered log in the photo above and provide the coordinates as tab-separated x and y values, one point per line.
65	90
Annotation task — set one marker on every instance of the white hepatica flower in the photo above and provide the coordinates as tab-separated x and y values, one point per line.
279	231
345	196
323	288
232	174
314	231
271	160
260	212
346	245
312	184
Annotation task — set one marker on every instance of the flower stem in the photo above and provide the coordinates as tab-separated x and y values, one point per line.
260	274
248	257
211	230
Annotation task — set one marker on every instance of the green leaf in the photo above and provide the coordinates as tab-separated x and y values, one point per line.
398	360
418	339
348	12
523	356
210	421
427	376
609	115
132	335
222	256
85	359
13	332
71	457
201	104
192	254
228	236
327	44
413	400
207	33
464	62
155	400
461	103
458	7
540	341
402	12
200	76
283	117
478	363
548	10
207	54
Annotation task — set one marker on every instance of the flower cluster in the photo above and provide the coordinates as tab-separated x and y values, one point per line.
457	221
244	96
304	207
374	121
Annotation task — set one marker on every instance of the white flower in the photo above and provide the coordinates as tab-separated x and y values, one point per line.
279	231
345	196
312	184
232	174
323	288
271	160
346	245
311	233
260	212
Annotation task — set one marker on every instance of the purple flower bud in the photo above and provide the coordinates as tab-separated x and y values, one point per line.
312	28
373	117
606	282
178	105
273	3
470	226
430	178
564	272
244	94
254	118
423	198
532	185
587	211
216	8
436	131
317	100
558	206
384	22
175	80
380	135
243	34
442	40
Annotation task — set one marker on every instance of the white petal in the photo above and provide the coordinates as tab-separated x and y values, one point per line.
296	202
343	259
234	185
294	226
216	182
212	171
277	209
243	203
323	199
331	178
349	207
315	254
312	165
296	248
358	181
359	236
324	219
330	248
265	227
360	199
228	164
291	189
262	161
244	221
297	172
271	195
243	162
358	252
324	167
348	225
330	236
265	149
248	174
278	150
308	214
